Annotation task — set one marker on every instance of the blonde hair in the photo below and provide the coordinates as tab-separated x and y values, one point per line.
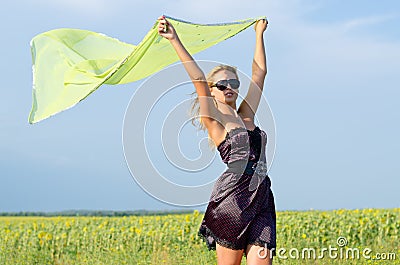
195	106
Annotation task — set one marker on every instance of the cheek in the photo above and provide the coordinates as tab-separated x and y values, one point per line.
212	92
220	95
215	93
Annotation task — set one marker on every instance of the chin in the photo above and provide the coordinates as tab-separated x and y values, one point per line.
230	100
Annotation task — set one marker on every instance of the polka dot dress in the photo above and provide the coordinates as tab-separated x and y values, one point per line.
241	209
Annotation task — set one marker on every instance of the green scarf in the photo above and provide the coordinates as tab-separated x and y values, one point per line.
69	64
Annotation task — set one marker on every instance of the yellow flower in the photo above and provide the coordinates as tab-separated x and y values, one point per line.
196	213
41	235
49	236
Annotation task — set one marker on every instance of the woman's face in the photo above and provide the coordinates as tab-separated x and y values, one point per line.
229	95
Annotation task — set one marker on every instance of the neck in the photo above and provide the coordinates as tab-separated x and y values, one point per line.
232	105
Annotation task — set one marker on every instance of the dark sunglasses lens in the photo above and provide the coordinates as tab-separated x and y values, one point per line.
221	87
234	83
223	84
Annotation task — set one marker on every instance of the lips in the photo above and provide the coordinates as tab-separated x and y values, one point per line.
228	93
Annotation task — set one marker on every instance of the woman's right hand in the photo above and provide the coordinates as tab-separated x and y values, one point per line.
165	29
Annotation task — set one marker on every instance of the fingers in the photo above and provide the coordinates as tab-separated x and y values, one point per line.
161	29
163	24
261	24
163	20
263	21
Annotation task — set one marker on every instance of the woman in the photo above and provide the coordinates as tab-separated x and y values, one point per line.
240	217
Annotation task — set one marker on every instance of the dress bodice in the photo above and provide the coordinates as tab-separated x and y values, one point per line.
242	144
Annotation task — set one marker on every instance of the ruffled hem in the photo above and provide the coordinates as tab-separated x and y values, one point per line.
207	235
264	244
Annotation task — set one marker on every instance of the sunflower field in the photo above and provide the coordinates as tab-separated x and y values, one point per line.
367	236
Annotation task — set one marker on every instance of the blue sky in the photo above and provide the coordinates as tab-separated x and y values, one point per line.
333	87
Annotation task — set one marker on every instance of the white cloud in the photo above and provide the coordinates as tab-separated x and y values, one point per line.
367	21
317	51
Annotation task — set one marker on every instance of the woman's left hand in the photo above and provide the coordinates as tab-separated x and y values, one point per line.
261	25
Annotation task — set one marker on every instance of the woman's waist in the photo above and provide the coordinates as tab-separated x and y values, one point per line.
247	167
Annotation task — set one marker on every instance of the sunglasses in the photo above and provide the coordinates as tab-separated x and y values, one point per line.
223	84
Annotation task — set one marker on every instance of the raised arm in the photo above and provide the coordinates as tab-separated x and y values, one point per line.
208	110
249	105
